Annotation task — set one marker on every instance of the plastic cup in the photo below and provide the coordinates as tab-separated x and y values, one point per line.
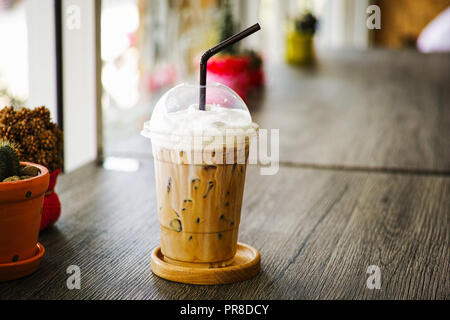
200	160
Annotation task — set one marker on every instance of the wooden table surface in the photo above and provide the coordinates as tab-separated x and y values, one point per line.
364	180
387	110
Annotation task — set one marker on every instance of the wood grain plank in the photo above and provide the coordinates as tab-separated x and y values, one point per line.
317	231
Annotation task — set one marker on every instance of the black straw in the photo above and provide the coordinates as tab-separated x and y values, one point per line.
209	53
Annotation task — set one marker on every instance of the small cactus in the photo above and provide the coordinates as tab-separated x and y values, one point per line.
9	161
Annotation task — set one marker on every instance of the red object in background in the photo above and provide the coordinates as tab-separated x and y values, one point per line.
162	76
236	72
52	206
132	37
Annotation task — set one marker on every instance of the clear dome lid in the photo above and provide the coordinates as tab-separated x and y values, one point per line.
177	113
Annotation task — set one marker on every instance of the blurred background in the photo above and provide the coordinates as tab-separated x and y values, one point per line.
148	46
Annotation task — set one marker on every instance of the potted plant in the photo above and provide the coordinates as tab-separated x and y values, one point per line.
37	139
300	39
22	189
241	70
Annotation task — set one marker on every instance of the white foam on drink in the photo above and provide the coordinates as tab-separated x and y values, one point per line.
182	129
215	120
178	123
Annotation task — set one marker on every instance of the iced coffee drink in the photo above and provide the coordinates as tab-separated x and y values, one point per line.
200	159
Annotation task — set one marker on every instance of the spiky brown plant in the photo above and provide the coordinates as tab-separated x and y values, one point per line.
35	136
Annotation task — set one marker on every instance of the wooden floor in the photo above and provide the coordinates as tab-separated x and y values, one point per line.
364	180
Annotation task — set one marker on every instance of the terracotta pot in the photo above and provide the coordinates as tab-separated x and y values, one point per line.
20	215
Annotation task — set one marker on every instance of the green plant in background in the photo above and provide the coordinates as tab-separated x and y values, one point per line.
306	23
228	28
9	161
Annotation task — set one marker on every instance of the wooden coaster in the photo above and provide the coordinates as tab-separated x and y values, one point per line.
245	265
